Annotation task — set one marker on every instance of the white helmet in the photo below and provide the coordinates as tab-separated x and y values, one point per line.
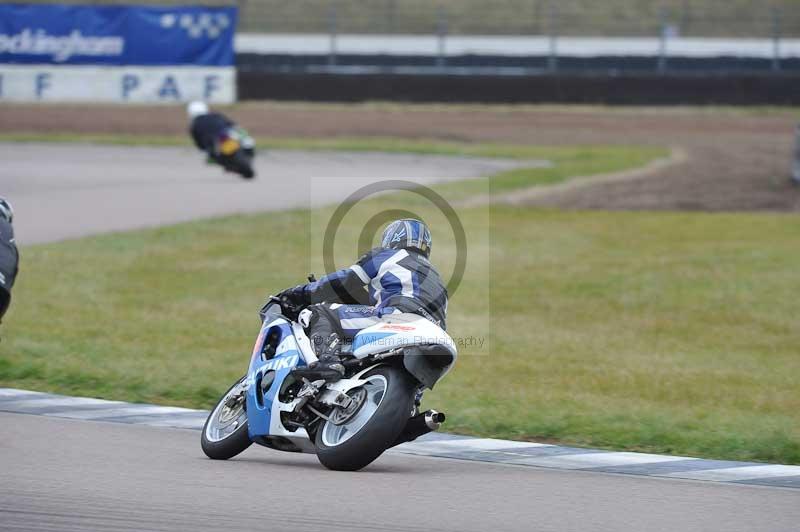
196	108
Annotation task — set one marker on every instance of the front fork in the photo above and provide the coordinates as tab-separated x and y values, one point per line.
237	395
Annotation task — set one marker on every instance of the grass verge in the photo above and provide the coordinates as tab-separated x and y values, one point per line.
642	331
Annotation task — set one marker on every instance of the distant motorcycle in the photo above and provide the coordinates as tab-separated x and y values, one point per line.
234	150
347	423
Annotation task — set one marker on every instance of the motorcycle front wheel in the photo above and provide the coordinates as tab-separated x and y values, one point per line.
225	431
242	164
354	437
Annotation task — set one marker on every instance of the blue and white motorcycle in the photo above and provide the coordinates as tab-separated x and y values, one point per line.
347	423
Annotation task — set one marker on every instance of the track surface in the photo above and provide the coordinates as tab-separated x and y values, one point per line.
70	475
66	191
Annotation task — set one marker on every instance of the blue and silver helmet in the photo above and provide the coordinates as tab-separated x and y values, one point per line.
408	234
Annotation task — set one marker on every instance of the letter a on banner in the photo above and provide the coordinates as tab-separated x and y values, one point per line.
169	89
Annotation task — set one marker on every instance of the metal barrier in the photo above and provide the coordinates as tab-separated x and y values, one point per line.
665	22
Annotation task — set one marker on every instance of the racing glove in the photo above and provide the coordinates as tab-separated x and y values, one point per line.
297	296
293	300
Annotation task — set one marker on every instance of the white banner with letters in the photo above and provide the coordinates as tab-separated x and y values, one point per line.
116	84
117	53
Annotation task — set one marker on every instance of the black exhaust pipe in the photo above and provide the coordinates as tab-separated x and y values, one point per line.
420	424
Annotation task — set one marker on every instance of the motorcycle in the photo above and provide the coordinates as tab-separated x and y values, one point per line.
234	151
283	404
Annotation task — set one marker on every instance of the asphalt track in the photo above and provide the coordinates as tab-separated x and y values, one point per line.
62	191
59	474
83	475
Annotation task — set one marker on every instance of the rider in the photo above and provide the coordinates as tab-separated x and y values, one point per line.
9	256
207	127
399	277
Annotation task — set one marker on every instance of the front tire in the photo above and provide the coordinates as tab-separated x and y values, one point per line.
374	426
225	431
242	164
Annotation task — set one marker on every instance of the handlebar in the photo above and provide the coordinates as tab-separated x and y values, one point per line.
287	309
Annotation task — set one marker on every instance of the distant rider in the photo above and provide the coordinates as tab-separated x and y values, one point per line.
207	127
9	256
398	277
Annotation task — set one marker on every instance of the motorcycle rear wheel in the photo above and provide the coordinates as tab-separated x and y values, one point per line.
225	431
373	426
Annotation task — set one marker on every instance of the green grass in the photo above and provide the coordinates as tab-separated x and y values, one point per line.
92	138
643	331
631	154
646	331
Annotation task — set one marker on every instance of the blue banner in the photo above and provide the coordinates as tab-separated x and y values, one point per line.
117	35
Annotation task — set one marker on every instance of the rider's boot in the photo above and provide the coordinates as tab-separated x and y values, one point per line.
329	358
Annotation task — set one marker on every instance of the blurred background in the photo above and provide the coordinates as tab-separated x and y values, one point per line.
617	51
711	18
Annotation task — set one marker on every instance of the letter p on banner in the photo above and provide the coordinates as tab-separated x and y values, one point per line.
129	83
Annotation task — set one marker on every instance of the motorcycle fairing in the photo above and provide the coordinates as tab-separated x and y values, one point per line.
428	351
264	406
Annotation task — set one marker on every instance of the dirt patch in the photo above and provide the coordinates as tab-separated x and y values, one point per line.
734	161
524	197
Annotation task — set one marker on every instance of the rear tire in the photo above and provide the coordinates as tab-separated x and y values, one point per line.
380	431
221	446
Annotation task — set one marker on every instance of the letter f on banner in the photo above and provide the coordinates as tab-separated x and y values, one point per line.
42	84
211	86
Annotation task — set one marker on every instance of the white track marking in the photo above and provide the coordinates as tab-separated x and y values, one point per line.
460	445
130	410
177	422
66	402
740	473
11	392
589	460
